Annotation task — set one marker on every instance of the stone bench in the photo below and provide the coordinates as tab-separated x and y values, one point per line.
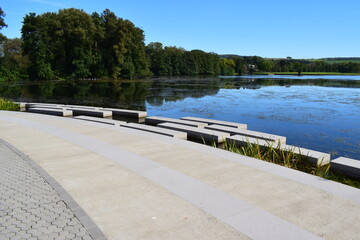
156	120
127	113
42	105
55	112
347	166
101	120
90	112
217	122
197	133
248	133
82	107
318	158
158	130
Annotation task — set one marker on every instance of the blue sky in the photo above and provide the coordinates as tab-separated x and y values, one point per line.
267	28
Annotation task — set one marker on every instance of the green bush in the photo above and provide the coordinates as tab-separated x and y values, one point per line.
8	105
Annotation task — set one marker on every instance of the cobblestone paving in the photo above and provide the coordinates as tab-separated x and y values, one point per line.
29	207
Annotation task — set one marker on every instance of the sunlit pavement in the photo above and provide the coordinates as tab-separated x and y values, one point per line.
136	185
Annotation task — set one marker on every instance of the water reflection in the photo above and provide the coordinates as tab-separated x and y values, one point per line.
320	114
156	91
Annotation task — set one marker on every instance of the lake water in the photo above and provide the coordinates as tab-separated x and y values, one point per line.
320	113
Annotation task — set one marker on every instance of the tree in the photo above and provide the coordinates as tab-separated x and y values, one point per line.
2	23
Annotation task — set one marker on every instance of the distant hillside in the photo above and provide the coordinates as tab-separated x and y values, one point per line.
229	56
341	59
327	60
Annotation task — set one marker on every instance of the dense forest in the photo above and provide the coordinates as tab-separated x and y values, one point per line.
72	44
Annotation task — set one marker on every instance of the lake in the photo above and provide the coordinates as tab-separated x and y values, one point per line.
316	112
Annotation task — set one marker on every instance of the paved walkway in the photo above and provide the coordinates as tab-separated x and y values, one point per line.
137	185
30	208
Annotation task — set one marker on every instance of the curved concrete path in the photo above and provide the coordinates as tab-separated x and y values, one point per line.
137	185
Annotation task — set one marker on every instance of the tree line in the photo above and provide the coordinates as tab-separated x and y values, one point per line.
72	44
252	64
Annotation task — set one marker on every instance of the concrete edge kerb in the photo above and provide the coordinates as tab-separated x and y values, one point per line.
80	214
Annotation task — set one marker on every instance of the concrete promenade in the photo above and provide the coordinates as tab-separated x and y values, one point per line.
139	185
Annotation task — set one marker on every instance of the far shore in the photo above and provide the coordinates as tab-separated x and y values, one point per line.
307	73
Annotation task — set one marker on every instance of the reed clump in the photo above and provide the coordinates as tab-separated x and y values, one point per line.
274	153
8	105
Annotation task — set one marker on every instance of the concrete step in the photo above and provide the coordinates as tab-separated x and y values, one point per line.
158	130
127	113
318	158
90	112
217	122
55	112
347	166
101	120
156	120
248	133
197	133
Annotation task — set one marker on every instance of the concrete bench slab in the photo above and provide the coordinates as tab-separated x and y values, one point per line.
217	122
21	104
318	158
249	133
55	112
156	120
197	133
82	107
158	130
42	105
101	120
90	112
347	166
127	113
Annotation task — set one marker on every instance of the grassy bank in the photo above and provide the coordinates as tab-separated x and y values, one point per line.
307	73
275	154
8	105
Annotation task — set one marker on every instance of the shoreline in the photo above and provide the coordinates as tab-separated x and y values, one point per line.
307	73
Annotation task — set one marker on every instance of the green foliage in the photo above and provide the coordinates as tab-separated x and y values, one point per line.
177	61
12	62
74	44
257	64
8	105
2	23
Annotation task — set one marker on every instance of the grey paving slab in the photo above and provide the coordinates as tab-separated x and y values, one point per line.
29	205
217	122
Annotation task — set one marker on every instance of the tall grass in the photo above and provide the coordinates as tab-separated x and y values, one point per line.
8	105
274	153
